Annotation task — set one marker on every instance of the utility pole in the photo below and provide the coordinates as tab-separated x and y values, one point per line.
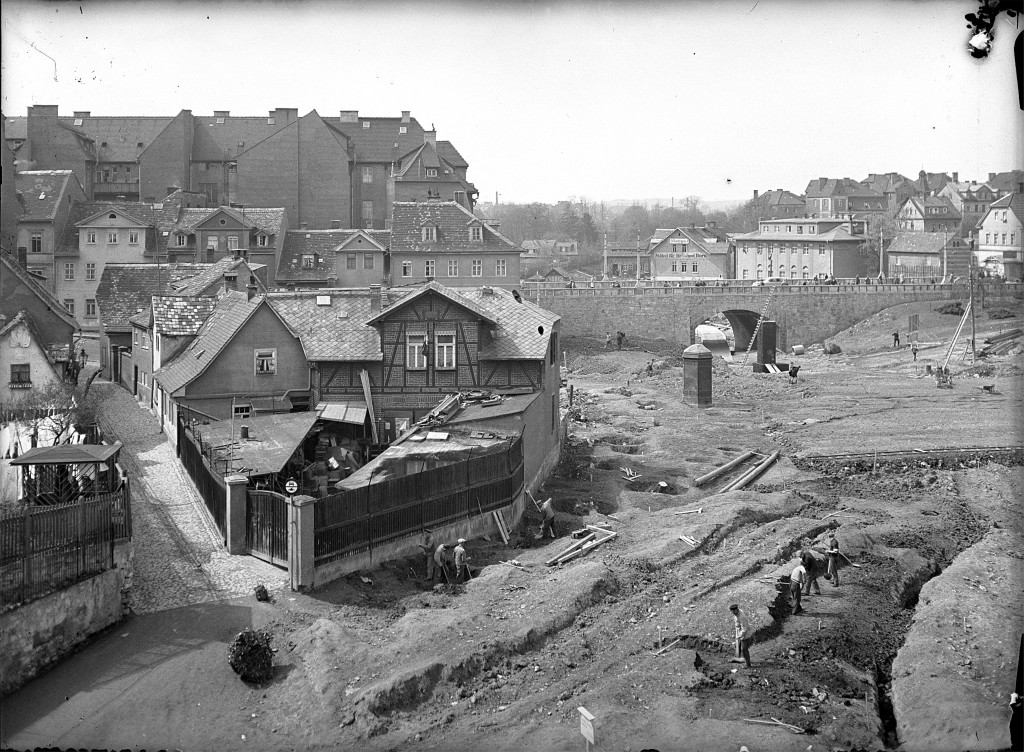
944	255
638	256
974	349
495	198
881	246
604	275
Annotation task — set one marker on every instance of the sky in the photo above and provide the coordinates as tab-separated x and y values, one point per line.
552	100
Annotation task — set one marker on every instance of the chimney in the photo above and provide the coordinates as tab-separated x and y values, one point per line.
430	137
250	289
956	177
243	432
349	116
405	116
283	115
230	281
335	224
23	257
221	113
991	177
375	298
755	193
81	113
713	224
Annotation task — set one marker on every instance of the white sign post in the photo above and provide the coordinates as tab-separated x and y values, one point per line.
587	726
291	487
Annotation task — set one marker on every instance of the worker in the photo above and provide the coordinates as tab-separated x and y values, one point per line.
428	551
619	336
462	572
548	525
441	568
742	626
794	371
796	584
913	349
833	560
896	338
812	569
607	340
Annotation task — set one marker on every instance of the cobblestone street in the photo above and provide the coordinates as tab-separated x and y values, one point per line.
179	558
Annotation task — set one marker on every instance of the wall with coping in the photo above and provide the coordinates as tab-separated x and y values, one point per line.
40	633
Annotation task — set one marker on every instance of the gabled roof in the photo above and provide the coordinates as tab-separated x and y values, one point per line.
323	245
451	155
523	329
948	211
382	141
453	234
122	135
888	182
1006	181
11	266
336	331
779	197
127	289
706	239
827	187
161	216
212	274
180	315
115	209
1012	201
923	242
42	191
220	142
435	287
268	220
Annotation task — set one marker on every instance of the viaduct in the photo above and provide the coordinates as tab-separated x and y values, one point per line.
804	313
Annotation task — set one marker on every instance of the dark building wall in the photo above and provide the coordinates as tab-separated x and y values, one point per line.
165	162
268	173
56	148
10	208
325	185
375	191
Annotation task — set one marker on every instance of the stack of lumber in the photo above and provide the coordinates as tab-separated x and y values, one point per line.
1002	343
594	538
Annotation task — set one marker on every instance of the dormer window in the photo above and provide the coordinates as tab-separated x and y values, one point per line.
261	241
431	172
476	233
366	124
307	261
403	129
428	233
181	239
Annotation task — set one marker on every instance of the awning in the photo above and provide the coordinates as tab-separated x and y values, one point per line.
353	411
68	454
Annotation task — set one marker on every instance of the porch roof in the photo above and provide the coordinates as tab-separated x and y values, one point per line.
68	454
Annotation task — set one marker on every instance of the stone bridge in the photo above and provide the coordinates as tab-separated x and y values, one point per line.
804	313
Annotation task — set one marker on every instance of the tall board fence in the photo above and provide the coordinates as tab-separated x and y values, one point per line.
210	485
46	548
356	520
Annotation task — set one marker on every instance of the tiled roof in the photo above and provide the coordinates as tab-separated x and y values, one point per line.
1006	181
706	239
1012	201
180	315
42	192
888	181
267	220
10	263
935	202
336	331
122	135
382	141
142	318
450	154
452	222
433	286
523	329
923	242
931	181
322	245
126	289
825	187
228	316
162	219
212	274
779	197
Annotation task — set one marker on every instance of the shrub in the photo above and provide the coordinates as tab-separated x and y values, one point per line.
251	656
832	349
1001	313
954	309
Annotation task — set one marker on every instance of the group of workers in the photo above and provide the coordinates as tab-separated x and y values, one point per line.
446	564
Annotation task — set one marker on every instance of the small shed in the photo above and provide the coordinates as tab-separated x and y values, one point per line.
64	473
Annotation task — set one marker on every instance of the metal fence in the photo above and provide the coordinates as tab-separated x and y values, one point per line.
359	519
208	482
45	548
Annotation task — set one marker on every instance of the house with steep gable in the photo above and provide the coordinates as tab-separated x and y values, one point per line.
25	361
928	214
54	327
48	196
443	240
1000	237
838	198
209	235
333	258
432	170
690	253
776	204
970	199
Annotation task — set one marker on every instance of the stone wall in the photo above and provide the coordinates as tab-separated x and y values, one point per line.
40	633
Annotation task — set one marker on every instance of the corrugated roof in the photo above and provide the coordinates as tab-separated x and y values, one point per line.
42	191
452	222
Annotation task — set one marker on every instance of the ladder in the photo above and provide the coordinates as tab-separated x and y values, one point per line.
956	335
757	329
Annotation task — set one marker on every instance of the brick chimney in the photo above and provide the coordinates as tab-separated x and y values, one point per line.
430	137
283	115
349	116
230	281
335	224
991	177
405	116
81	113
956	177
755	193
250	289
375	298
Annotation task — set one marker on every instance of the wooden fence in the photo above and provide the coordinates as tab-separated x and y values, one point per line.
208	482
359	519
45	548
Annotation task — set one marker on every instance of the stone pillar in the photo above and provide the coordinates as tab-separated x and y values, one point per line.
300	541
697	376
238	500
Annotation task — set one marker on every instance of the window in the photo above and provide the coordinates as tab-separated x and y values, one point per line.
232	242
987	241
403	129
90	272
265	361
1011	238
416	352
431	172
21	375
212	242
760	271
261	241
821	250
693	266
811	230
367	260
36	243
112	236
453	267
406	268
675	267
444	352
1004	238
500	268
366	124
476	233
69	305
145	340
181	239
90	236
368	214
744	274
476	268
799	229
553	350
760	249
90	308
135	338
69	271
807	273
367	174
428	233
350	261
133	237
241	410
307	261
428	268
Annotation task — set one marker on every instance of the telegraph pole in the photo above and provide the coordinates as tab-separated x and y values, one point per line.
638	256
604	276
974	349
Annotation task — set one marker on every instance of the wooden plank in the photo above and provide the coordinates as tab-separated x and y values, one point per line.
501	527
667	647
573	547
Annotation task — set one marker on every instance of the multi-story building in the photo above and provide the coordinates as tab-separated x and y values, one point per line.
47	196
801	249
333	258
830	198
211	234
778	204
928	214
1000	237
970	199
1006	182
54	328
690	253
927	256
433	170
443	240
895	187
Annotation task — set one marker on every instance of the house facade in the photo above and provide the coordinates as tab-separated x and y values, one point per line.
25	363
690	253
1000	237
778	204
433	171
333	258
927	256
212	234
54	328
48	196
836	198
801	249
970	199
443	240
928	214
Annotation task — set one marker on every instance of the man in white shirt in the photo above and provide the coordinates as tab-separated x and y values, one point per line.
742	625
796	584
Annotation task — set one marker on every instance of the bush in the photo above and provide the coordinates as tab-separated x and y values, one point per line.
1002	313
251	656
832	349
953	309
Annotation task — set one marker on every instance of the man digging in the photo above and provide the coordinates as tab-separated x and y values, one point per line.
742	626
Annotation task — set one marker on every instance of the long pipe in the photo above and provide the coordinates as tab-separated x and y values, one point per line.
723	469
752	474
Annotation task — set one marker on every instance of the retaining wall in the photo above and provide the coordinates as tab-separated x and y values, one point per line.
38	634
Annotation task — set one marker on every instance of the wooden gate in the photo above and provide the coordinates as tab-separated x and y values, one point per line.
266	527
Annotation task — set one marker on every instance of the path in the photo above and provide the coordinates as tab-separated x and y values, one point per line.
179	558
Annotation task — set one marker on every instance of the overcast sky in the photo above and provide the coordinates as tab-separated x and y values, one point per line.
551	100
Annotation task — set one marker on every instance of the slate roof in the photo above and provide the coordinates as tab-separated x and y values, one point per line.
1012	201
335	332
519	325
220	327
1006	181
213	273
322	245
707	239
11	265
266	219
928	243
381	142
826	187
42	192
935	202
180	315
162	219
122	135
452	221
127	289
218	142
451	155
779	197
888	182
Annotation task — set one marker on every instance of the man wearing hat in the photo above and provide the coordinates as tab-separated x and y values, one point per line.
441	563
461	567
742	625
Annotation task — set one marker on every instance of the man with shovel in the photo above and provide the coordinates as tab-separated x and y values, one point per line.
742	626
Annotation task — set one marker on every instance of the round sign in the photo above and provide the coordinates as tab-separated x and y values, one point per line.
291	486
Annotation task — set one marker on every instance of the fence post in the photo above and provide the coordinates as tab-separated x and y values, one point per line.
26	568
237	502
81	534
300	541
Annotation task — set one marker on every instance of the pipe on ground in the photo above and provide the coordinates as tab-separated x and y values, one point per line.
723	469
752	474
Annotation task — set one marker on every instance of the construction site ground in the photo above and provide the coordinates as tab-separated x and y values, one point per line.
917	648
